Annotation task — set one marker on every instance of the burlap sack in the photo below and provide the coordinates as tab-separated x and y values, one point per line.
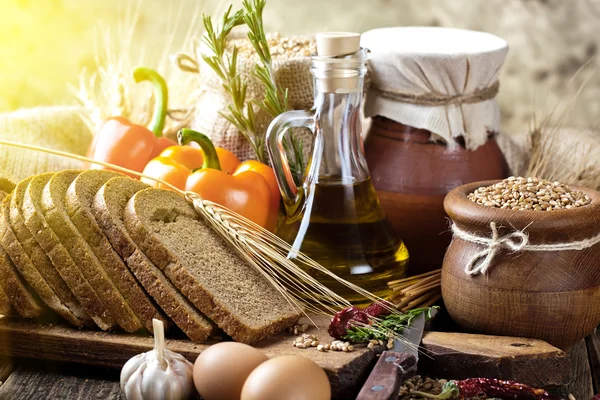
291	71
59	128
567	155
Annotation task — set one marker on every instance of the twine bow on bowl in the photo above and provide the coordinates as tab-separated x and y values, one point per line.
515	241
480	262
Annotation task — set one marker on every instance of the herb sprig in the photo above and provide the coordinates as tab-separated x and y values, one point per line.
240	113
390	326
276	99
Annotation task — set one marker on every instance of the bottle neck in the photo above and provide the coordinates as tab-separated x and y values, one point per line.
339	134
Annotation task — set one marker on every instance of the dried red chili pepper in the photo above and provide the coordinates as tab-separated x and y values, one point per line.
487	387
342	320
378	309
476	387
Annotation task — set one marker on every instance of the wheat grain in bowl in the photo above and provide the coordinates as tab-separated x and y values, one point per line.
529	194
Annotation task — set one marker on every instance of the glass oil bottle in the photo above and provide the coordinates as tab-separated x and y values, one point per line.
334	216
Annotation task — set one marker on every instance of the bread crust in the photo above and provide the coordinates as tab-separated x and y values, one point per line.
61	259
34	255
78	202
29	272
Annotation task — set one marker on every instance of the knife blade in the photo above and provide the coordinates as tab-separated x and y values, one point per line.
396	365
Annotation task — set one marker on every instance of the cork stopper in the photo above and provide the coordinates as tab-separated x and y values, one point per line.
341	52
334	44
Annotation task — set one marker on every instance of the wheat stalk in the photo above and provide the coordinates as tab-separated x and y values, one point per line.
111	91
548	143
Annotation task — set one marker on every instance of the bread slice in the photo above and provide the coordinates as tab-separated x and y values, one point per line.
5	307
212	275
108	207
31	274
78	203
15	291
53	208
27	254
40	229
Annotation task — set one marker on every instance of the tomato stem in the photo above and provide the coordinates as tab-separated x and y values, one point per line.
211	158
161	97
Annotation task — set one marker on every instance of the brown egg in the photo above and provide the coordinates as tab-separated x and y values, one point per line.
287	378
220	370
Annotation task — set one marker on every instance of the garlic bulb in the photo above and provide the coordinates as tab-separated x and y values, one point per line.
159	374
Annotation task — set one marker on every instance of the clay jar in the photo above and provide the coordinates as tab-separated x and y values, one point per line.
412	174
548	295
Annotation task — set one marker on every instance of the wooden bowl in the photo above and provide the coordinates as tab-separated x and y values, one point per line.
548	295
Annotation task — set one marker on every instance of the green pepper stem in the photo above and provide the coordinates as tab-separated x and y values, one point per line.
211	158
161	97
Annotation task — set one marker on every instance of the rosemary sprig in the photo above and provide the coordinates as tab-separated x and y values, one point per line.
240	113
275	101
391	325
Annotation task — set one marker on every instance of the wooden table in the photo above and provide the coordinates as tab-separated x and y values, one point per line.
26	379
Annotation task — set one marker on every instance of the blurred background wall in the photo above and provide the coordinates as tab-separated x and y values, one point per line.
44	44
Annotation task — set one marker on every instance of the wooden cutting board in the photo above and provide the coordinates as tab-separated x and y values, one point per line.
29	339
445	354
462	355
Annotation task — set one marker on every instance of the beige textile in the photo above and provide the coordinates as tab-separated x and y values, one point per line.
567	155
58	128
291	73
516	148
436	63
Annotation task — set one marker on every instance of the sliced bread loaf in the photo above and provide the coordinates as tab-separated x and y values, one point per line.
108	207
5	307
212	275
53	208
78	203
61	259
29	272
27	254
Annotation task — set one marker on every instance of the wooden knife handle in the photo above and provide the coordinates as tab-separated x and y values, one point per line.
389	373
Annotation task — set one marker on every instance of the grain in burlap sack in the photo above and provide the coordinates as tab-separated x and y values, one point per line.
59	128
291	69
567	155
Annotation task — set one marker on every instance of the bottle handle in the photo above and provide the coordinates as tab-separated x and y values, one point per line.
277	155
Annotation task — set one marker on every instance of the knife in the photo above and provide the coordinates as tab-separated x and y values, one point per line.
396	365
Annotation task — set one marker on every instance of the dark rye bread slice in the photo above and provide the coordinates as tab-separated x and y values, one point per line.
108	207
78	203
53	207
5	307
61	259
211	274
26	253
30	273
15	291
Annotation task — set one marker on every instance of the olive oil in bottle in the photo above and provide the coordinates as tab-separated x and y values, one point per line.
334	215
348	234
